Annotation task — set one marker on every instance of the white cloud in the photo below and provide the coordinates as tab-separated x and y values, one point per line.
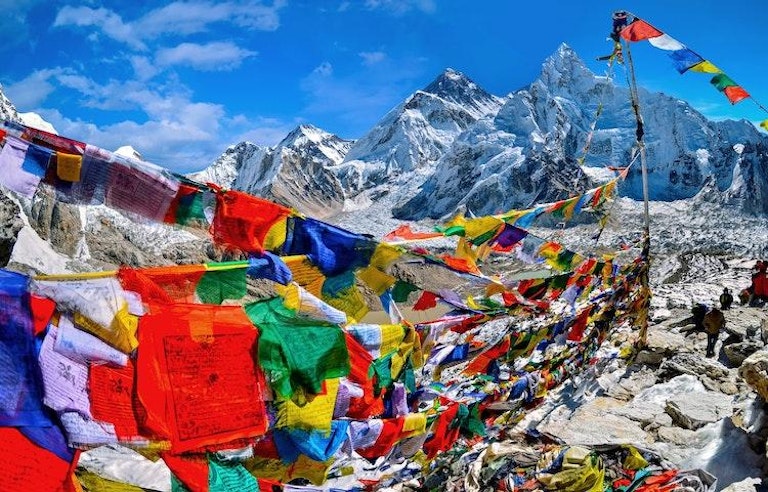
372	57
110	23
143	67
212	56
179	18
402	6
34	89
323	70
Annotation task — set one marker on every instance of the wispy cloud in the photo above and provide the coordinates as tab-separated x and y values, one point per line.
177	19
402	6
372	57
34	89
214	56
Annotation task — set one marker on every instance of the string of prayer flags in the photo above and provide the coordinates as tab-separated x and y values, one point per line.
684	58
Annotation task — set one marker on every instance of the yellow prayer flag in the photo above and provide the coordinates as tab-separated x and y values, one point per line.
276	235
764	124
68	166
377	280
391	338
316	414
481	225
705	67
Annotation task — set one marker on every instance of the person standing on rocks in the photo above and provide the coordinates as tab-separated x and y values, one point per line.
713	322
726	299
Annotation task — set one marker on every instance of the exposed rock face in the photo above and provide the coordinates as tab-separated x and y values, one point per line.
754	370
711	373
692	413
10	225
57	222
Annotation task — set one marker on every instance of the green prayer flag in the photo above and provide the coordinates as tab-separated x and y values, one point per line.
401	290
721	81
217	285
297	354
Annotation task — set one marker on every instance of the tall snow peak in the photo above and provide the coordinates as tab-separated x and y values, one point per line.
455	87
416	133
226	169
563	72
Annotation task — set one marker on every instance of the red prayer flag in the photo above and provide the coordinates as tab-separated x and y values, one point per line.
404	232
242	221
191	470
111	393
42	309
196	365
735	94
482	361
368	405
27	466
639	30
427	300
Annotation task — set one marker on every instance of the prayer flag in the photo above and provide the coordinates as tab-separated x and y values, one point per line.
705	67
21	389
332	249
195	365
22	166
666	42
243	221
639	30
735	94
297	355
684	59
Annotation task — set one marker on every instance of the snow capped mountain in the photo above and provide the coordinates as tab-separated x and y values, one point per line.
528	152
7	109
417	132
296	172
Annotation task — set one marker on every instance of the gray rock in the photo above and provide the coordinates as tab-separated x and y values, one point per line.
738	352
676	435
660	345
594	423
692	413
628	387
10	225
754	370
713	375
746	485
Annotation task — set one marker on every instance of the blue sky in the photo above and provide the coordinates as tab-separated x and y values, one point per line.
181	81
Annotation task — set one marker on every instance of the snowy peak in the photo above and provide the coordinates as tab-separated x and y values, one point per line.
313	141
7	109
455	87
565	72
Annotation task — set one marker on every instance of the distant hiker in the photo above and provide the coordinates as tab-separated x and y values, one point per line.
726	299
744	296
714	321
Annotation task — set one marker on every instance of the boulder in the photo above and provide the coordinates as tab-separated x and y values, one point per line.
738	352
746	485
705	408
660	345
10	225
713	375
754	370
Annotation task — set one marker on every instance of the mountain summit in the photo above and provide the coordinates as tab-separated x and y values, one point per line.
452	145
